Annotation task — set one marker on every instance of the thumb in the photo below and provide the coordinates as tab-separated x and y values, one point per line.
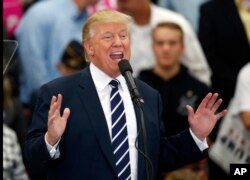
66	114
190	111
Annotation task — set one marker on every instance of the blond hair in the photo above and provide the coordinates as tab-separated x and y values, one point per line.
100	17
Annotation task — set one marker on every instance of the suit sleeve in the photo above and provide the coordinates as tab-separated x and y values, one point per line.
36	156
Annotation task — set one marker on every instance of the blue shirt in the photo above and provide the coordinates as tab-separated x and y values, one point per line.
43	33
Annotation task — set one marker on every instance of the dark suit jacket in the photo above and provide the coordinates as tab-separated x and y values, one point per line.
85	146
224	41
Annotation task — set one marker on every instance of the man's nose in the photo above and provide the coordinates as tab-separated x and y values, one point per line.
166	46
117	41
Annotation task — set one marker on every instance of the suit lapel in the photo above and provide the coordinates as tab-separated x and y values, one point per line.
89	97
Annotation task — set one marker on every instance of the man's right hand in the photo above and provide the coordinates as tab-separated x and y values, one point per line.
56	122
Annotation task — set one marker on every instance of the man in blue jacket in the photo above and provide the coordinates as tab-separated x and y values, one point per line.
86	126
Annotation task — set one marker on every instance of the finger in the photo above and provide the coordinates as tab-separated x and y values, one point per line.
212	100
52	106
59	101
51	119
216	105
205	100
190	113
66	114
221	114
53	99
53	114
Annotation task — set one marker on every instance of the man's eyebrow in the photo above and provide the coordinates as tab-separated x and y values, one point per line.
107	32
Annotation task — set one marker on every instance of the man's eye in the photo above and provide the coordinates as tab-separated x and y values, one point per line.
160	43
123	36
107	37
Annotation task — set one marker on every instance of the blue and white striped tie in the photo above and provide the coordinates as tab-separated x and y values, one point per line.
119	133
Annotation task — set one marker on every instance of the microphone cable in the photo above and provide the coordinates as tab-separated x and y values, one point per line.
126	71
142	129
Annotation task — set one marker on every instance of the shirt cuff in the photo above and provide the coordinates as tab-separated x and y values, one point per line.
53	150
201	144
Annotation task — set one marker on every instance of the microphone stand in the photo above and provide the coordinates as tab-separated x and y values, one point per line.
126	71
139	102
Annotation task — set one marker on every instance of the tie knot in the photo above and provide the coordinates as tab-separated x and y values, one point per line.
114	83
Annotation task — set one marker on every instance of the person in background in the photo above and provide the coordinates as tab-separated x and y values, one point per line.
224	33
181	174
173	81
44	31
242	95
146	15
13	139
13	114
101	5
86	126
13	167
233	140
72	61
189	9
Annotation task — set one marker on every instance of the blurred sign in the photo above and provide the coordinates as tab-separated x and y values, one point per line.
12	13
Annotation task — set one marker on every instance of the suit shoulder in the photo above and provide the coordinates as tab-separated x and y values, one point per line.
64	81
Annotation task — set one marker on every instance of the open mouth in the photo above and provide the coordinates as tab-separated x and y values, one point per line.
118	55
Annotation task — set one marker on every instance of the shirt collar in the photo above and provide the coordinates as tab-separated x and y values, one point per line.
101	79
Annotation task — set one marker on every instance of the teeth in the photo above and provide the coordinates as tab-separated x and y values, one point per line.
116	53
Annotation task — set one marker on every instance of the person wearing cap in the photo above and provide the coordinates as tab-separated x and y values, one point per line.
73	59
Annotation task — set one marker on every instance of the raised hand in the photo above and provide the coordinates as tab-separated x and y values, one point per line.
204	119
56	122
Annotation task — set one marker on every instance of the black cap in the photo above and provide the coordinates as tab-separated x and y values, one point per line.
73	56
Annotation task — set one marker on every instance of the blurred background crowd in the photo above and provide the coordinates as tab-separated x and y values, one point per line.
182	48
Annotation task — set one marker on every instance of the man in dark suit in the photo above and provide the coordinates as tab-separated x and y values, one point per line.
224	39
223	36
73	127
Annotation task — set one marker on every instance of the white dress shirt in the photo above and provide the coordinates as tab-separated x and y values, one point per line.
101	81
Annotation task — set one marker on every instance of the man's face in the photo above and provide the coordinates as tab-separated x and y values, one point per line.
109	44
167	46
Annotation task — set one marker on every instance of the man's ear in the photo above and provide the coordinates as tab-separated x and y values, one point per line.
88	47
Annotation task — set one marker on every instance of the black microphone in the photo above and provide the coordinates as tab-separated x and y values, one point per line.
126	71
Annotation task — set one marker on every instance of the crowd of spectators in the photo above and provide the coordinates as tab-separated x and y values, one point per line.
214	46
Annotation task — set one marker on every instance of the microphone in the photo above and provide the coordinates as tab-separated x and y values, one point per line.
126	71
